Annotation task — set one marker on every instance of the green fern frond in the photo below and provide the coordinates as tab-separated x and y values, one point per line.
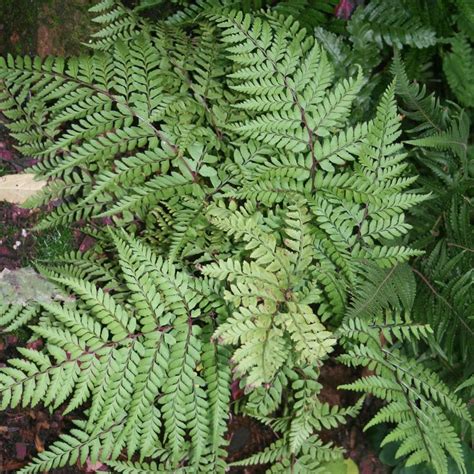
455	138
78	445
424	109
132	358
458	65
116	22
444	298
308	13
13	316
418	401
389	22
380	289
268	318
129	467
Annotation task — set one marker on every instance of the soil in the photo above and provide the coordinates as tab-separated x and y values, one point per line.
44	27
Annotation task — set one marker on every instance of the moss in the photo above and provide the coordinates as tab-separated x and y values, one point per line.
7	231
54	243
63	27
19	20
22	246
23	334
44	26
7	228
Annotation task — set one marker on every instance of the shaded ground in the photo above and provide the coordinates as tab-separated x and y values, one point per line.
44	26
40	27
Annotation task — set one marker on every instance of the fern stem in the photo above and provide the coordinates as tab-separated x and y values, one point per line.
446	302
375	293
452	244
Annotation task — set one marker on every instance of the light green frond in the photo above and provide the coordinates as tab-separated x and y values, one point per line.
78	445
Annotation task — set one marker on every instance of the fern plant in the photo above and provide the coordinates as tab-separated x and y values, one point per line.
389	22
440	145
227	141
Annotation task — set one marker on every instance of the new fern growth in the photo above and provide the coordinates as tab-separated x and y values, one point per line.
270	229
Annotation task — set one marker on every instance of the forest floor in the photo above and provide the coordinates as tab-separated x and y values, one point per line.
47	27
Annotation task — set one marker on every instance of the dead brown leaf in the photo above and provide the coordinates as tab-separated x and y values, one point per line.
17	188
39	443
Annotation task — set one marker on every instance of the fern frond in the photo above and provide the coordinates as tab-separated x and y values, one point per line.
78	445
389	22
13	316
379	289
418	401
132	357
424	109
116	23
458	65
268	319
455	138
